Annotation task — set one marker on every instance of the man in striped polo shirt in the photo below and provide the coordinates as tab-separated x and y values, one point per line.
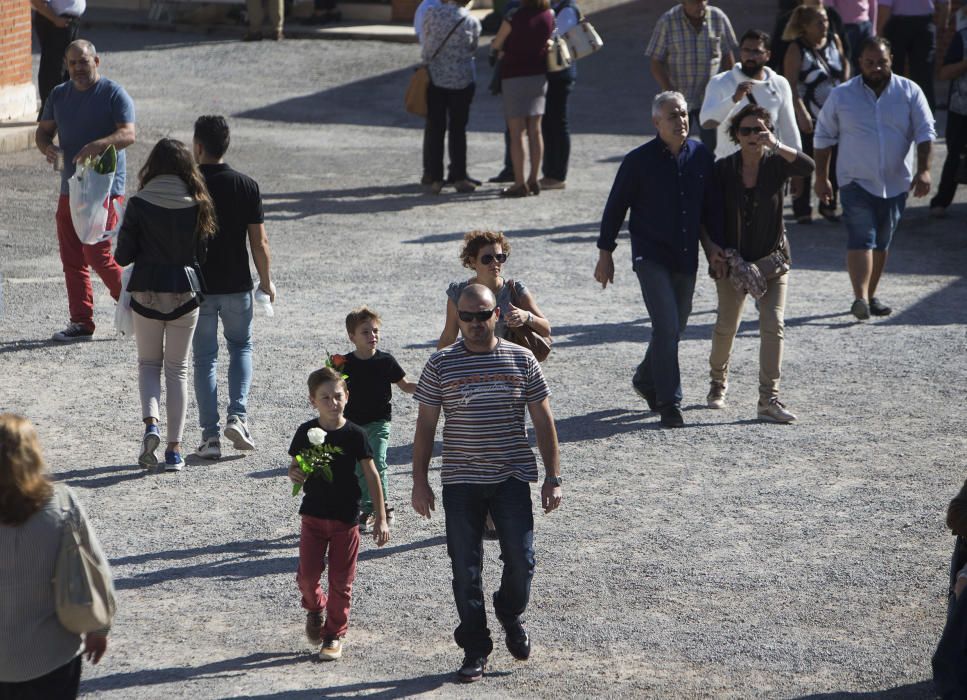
483	383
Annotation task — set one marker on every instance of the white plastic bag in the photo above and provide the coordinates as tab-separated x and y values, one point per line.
90	197
123	315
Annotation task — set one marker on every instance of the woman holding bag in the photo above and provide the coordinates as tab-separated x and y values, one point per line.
753	180
521	43
450	36
39	658
164	233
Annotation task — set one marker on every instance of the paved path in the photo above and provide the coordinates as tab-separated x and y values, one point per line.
729	559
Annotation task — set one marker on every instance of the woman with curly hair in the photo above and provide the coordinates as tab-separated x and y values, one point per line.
485	252
165	232
39	658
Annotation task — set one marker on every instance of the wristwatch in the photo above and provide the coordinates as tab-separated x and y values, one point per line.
553	480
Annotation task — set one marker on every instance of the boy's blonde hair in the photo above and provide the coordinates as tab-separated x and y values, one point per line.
323	375
357	317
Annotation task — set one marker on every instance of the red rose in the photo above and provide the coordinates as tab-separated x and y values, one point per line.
338	361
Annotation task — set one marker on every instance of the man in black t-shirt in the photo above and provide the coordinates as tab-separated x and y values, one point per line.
228	289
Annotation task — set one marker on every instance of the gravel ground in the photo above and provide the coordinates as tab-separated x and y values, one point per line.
728	559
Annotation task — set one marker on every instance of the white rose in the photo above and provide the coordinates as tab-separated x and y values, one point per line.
316	436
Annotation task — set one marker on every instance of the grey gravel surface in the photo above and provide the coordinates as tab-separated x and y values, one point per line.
729	559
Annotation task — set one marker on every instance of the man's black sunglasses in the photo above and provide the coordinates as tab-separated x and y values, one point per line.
489	258
468	316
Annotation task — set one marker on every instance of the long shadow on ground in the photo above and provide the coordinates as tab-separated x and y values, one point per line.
923	689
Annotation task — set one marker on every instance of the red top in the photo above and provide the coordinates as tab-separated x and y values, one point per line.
525	51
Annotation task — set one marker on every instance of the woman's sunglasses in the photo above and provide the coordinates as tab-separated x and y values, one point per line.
468	316
749	130
489	258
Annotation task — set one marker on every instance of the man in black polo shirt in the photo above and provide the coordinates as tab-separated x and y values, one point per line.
228	285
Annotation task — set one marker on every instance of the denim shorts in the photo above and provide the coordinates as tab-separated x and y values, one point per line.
870	220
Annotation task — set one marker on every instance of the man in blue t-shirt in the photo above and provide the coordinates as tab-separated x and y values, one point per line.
88	113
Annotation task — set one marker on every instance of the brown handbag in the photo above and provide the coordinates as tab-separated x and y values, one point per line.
415	99
526	336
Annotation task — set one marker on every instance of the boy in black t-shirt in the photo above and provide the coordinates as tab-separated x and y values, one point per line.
330	507
372	374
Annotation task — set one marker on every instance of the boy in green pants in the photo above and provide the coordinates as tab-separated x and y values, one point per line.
371	374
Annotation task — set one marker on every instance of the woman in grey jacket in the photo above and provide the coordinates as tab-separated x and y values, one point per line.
38	657
164	233
753	181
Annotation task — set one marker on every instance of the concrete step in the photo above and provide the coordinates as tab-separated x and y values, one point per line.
17	135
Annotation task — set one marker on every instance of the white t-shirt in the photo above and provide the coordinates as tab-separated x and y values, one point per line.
67	7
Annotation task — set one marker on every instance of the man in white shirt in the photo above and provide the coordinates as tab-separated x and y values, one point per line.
750	81
875	118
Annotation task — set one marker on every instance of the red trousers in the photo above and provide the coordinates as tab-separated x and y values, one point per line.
77	257
342	542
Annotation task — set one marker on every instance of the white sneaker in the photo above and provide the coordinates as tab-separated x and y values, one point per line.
775	412
210	449
237	432
331	649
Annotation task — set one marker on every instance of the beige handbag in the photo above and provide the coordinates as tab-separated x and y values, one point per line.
582	39
415	99
558	55
83	589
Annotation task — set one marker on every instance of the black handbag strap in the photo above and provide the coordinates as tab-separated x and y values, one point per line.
444	42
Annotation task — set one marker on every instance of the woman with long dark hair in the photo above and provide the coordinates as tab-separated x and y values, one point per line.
753	180
166	226
39	658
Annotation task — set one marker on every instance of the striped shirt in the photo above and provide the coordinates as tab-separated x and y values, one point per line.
691	55
483	396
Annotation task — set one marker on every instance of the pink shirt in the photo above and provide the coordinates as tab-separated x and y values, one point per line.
907	8
854	11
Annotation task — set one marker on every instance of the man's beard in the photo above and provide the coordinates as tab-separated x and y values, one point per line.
877	81
752	72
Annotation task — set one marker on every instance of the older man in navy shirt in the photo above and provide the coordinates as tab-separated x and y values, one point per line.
669	186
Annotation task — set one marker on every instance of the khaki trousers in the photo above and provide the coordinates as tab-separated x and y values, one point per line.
771	324
256	14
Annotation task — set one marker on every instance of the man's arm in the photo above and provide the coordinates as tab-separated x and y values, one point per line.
720	99
262	257
426	421
941	15
44	138
957	512
121	138
921	179
660	72
786	128
42	8
611	220
546	431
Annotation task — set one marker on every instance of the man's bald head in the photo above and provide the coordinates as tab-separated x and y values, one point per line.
81	46
477	294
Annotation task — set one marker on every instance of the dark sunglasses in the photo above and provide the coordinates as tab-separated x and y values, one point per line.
749	130
468	316
489	258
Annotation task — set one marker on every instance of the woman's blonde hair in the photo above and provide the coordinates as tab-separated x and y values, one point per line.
799	19
24	485
475	240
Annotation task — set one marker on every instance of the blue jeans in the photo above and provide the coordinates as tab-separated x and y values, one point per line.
465	508
668	298
235	311
870	220
856	34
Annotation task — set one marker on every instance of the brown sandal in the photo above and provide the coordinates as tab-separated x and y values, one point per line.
514	191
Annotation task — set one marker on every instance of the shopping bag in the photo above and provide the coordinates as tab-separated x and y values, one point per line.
90	197
123	315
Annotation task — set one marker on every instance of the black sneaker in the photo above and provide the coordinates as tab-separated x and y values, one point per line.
73	333
860	309
878	308
671	417
517	640
472	669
